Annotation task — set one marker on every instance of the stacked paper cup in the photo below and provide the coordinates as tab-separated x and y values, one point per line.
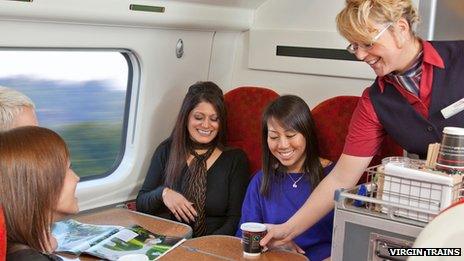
451	155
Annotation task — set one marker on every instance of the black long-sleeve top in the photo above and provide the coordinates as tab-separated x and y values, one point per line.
227	180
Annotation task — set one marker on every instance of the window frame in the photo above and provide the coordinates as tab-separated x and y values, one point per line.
133	81
125	123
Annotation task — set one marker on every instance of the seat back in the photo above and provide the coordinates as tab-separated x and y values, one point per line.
332	118
2	235
245	106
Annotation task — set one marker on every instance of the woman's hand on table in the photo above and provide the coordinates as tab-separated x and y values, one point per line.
182	209
278	236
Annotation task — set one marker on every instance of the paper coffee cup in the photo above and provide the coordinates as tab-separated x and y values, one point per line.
252	233
134	257
451	155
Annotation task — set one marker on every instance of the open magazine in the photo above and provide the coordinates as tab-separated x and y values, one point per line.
111	242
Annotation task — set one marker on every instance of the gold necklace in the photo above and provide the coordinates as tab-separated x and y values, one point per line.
295	181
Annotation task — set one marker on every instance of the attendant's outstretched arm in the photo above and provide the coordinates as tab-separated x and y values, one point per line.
345	174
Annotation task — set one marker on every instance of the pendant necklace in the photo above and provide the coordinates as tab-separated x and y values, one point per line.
295	181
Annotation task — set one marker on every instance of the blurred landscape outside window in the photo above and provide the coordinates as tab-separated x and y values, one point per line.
79	94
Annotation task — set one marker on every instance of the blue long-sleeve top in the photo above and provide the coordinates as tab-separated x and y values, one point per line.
283	201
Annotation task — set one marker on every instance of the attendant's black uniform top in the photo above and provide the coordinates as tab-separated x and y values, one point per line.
227	181
402	122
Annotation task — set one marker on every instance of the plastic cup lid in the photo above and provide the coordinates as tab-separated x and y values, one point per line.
454	131
253	227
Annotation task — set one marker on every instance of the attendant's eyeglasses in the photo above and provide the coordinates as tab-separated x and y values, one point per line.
352	48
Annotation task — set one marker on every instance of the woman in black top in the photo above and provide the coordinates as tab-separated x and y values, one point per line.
193	177
38	187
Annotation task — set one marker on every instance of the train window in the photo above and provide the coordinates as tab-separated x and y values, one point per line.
82	95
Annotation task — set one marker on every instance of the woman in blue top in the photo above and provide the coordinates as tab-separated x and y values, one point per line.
291	170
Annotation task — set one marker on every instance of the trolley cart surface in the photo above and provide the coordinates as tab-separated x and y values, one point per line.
365	226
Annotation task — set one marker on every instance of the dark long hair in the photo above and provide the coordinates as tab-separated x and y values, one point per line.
293	113
180	137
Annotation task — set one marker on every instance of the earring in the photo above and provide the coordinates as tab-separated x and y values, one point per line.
276	165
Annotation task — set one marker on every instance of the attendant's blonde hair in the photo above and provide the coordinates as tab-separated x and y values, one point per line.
359	20
33	165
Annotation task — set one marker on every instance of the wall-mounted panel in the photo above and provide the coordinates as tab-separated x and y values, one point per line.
174	14
312	88
264	46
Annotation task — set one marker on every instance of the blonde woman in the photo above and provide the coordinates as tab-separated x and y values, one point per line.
38	187
415	80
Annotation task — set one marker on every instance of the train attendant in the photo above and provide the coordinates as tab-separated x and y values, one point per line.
193	177
415	80
291	170
38	188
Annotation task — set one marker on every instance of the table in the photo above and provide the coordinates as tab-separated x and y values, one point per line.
124	217
223	248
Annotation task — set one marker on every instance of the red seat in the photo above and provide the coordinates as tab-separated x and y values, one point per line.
245	106
2	236
332	118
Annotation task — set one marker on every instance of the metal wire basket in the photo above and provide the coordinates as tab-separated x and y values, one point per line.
402	197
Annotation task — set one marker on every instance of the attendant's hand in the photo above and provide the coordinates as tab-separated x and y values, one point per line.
279	236
179	205
290	246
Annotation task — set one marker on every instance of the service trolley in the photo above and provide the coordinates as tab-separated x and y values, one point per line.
389	211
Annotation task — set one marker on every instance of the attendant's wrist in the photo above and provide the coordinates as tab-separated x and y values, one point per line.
291	227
